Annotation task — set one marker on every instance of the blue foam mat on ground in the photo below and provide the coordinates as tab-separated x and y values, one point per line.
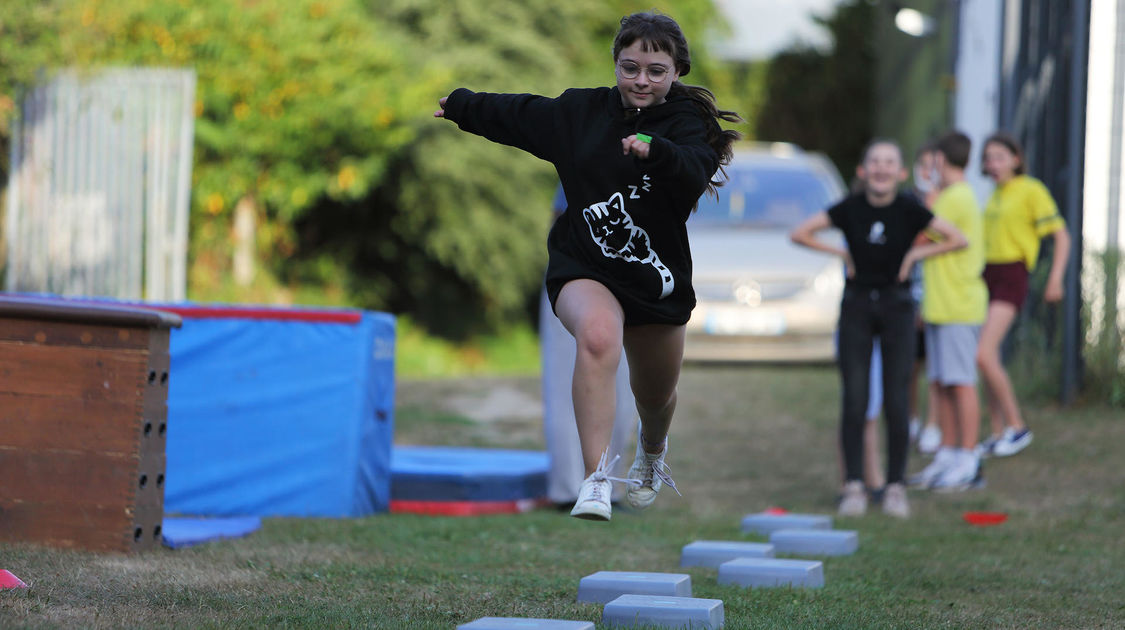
185	532
444	473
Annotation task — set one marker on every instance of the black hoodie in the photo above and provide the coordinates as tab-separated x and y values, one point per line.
625	222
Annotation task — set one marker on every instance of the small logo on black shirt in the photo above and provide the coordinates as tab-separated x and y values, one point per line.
878	234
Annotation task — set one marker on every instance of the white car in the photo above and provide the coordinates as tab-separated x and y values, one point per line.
760	297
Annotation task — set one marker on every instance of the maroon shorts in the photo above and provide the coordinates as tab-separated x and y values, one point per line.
1007	282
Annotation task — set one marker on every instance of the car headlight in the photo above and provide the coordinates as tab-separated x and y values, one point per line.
748	292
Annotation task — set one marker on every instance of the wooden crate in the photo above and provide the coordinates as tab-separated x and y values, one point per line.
83	423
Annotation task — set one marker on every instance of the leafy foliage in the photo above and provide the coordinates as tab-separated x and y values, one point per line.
824	101
319	113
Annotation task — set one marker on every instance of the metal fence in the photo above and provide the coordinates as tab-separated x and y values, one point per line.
1043	102
97	201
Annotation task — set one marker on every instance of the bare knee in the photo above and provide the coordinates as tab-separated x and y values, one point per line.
986	360
600	340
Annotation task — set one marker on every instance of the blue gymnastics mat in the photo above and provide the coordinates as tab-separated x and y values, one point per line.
185	532
445	473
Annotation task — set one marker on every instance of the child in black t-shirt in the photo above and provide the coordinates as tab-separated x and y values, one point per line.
880	227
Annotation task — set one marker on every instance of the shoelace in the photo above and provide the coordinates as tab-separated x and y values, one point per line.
601	473
658	468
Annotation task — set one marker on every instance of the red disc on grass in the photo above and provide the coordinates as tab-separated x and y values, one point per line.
984	518
7	580
776	510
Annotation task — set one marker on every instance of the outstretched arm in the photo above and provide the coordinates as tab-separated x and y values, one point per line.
524	121
950	239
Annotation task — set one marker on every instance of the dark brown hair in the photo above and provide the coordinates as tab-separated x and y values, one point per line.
956	147
1009	142
660	33
876	142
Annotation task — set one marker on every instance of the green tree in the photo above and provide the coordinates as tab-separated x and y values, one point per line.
824	101
317	115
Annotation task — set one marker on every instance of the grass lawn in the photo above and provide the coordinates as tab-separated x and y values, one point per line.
744	439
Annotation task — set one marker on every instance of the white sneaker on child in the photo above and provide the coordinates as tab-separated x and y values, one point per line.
648	474
894	501
1012	442
961	475
929	440
594	493
854	500
943	459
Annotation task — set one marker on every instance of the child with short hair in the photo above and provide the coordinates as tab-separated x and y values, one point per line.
954	306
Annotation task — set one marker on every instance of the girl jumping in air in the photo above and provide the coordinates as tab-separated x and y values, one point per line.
633	160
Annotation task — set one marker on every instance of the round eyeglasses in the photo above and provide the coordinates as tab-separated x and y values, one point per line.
655	73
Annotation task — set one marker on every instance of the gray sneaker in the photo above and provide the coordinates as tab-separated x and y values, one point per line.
894	501
648	474
854	499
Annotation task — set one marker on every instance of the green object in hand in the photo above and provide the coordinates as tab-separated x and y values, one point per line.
644	137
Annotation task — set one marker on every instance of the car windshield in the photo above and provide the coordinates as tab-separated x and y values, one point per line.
766	196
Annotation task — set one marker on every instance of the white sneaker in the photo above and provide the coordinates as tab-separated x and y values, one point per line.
960	476
854	500
894	501
929	441
1012	442
594	494
648	474
943	460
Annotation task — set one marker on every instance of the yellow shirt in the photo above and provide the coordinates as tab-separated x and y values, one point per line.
1018	215
953	290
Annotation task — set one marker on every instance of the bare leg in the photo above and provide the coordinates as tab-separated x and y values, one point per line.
655	354
872	468
590	312
967	405
1002	399
947	419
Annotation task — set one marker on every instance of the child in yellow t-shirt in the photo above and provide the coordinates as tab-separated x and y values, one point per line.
1018	216
954	304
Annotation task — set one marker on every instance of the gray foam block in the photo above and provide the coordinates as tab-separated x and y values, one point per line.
765	524
518	623
605	586
712	553
769	572
815	542
663	612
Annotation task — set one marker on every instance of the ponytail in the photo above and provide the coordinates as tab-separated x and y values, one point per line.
721	140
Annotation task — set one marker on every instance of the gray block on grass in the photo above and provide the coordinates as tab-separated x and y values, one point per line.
712	553
815	542
605	586
518	623
663	612
771	572
765	523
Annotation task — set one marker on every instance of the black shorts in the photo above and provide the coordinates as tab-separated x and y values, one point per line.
636	313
